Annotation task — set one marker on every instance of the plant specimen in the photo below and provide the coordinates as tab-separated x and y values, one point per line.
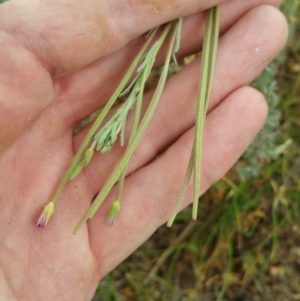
102	137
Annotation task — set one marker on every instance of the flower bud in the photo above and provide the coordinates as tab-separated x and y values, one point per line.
88	156
113	213
45	216
76	171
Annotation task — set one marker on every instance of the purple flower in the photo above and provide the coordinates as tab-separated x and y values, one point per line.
110	220
42	222
45	216
113	213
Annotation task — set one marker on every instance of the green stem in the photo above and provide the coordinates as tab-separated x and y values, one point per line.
229	267
100	118
184	187
144	123
206	74
210	43
134	124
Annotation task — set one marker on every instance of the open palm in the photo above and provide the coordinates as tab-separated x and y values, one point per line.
59	62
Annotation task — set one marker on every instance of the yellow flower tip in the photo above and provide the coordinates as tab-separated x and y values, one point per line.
113	213
45	216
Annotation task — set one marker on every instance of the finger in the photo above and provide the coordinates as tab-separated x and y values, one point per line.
26	87
71	35
85	91
176	110
150	193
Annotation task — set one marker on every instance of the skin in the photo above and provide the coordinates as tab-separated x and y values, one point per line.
60	61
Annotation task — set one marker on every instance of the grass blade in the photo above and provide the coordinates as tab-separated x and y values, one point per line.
210	44
209	53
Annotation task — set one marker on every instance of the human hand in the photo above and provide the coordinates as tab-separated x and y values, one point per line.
59	62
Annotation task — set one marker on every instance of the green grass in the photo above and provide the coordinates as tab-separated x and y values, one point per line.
241	245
